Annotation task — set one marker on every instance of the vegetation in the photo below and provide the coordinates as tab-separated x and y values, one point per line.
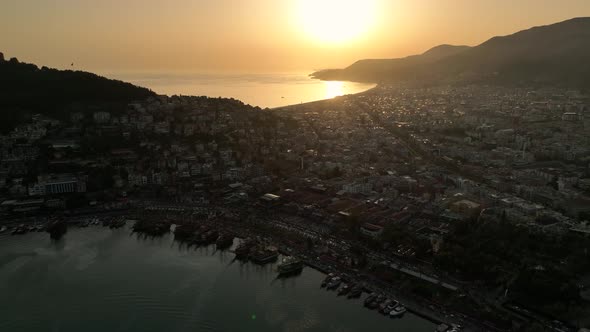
26	89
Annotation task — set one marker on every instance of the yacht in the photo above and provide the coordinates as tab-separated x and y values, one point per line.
224	241
344	290
264	255
355	292
370	299
389	307
327	279
334	283
290	265
398	311
243	249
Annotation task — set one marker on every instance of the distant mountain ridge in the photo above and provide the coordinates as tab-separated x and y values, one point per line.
552	54
26	88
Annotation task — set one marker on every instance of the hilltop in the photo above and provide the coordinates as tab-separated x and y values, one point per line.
27	89
552	54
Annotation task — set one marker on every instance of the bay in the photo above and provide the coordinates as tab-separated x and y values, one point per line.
99	279
263	90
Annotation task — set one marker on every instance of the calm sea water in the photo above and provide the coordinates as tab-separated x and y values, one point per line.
97	279
264	90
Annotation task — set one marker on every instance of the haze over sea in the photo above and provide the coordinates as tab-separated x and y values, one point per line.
264	90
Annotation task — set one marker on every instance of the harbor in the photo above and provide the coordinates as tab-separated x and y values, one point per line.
190	287
252	246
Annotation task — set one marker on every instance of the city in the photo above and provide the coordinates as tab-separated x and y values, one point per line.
433	192
452	193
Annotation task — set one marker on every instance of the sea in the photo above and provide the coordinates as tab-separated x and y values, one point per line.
263	90
101	279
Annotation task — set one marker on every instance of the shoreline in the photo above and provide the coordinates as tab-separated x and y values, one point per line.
309	103
252	230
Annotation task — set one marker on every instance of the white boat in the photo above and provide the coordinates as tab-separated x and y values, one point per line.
390	306
334	283
3	229
398	311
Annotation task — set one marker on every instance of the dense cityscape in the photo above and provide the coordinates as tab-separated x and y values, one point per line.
469	204
295	166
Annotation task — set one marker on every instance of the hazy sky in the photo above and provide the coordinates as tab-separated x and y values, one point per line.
252	35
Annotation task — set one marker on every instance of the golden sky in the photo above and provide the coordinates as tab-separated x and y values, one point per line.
255	35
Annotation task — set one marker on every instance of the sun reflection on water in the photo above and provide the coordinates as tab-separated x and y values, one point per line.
334	89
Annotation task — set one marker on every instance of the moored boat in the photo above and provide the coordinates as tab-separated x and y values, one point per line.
334	283
373	305
243	250
398	311
57	229
20	229
264	255
389	307
290	265
344	290
224	241
327	279
370	299
355	292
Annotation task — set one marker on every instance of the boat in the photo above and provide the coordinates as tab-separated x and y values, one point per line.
327	279
380	298
398	311
57	229
20	229
345	289
205	237
370	299
334	283
373	305
114	224
290	265
389	307
210	236
384	305
3	229
442	328
243	250
224	241
355	292
264	255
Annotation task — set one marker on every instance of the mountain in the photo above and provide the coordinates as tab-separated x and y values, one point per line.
377	70
26	89
552	54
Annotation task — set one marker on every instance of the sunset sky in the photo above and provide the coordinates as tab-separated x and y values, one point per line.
254	35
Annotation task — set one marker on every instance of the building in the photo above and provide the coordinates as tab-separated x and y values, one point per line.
57	184
466	208
571	116
372	231
101	117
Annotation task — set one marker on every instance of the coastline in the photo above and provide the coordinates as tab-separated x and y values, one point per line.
310	103
265	90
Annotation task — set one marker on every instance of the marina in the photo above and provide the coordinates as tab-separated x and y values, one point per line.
187	289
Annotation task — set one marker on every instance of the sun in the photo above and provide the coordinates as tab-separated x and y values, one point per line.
336	21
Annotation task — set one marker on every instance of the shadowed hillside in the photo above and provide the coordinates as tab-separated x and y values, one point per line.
26	89
553	54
